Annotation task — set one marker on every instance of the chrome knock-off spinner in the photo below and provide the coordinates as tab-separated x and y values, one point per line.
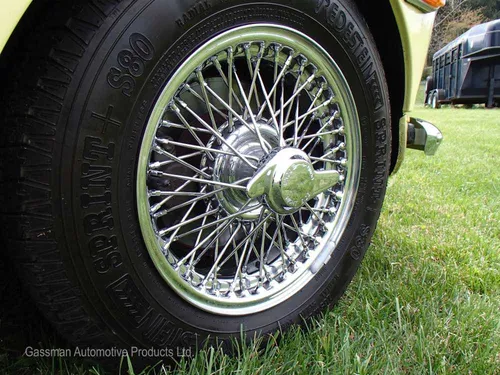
289	180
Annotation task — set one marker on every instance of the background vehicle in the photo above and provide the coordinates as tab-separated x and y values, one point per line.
467	70
177	172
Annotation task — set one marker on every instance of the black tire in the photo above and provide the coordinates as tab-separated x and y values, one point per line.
71	136
434	101
429	86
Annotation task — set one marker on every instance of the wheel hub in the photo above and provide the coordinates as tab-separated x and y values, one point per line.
229	168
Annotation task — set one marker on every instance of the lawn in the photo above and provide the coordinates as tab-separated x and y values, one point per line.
427	297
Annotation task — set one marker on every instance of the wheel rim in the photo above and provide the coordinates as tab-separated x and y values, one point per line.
225	238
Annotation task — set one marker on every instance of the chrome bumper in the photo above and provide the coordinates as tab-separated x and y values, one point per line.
424	136
417	134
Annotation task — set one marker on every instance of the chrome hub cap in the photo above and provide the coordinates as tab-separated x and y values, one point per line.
248	169
228	168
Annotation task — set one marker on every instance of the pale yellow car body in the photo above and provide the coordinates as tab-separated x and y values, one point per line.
415	29
11	12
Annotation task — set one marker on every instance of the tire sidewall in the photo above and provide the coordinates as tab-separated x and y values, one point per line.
104	131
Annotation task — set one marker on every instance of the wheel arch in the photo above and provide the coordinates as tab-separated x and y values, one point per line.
12	12
382	23
18	25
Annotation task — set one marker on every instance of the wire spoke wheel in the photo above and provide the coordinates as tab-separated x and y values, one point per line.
248	169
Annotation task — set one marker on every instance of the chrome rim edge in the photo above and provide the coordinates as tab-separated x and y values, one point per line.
328	216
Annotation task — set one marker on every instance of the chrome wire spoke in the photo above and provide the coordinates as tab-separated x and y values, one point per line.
253	72
161	193
185	222
217	233
284	255
267	102
209	225
305	239
161	164
313	117
277	241
229	83
170	124
276	82
215	133
311	111
227	222
297	230
245	242
238	274
262	255
163	152
198	237
298	91
323	127
309	208
305	131
205	101
281	110
170	195
333	150
285	235
324	160
216	242
229	79
248	110
296	127
201	197
205	149
254	249
315	143
240	118
201	79
276	49
186	215
272	240
214	268
319	134
177	111
289	103
195	179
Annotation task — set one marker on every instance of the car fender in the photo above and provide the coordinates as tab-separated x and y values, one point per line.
11	13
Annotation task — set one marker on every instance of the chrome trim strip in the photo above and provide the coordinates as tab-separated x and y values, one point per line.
423	136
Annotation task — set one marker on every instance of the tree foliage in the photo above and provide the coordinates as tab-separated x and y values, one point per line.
458	16
489	8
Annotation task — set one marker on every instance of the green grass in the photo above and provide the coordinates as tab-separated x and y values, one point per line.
427	297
